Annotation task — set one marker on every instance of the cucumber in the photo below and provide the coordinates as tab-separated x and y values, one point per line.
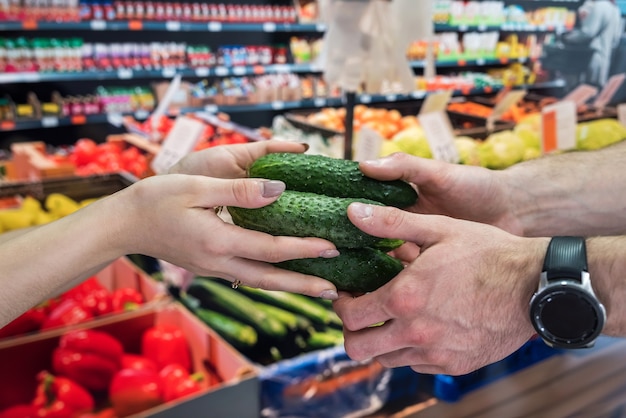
331	177
323	339
302	214
355	270
300	304
238	334
290	319
214	295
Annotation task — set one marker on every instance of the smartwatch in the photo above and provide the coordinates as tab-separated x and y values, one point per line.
565	311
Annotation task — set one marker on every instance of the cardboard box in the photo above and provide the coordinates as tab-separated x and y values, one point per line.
233	390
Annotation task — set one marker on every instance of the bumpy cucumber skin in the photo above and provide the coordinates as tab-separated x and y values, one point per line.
331	177
355	270
302	214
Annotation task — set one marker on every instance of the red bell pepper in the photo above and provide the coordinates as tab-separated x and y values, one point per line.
133	391
178	383
29	321
59	397
166	344
126	299
88	357
19	411
92	295
135	361
68	312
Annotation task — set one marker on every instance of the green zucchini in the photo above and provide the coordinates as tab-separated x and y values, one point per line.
323	339
215	295
332	177
302	214
290	319
293	302
356	270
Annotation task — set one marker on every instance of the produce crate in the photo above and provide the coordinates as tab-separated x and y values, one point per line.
327	383
233	383
121	273
452	388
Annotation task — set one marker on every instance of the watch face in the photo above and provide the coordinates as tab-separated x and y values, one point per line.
567	316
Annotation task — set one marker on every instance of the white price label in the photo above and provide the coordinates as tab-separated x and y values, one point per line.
115	119
558	126
281	68
142	114
239	71
436	102
211	108
391	97
214	27
124	73
418	94
365	98
202	72
98	25
221	71
320	27
278	105
179	142
172	26
440	136
319	102
269	27
168	72
367	145
49	121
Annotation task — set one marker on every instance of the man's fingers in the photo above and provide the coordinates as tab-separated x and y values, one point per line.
389	222
401	166
360	312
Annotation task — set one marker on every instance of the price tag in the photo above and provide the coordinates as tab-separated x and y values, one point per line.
278	105
142	114
49	121
418	94
365	98
214	27
211	108
221	71
172	26
320	27
239	71
621	113
368	144
436	102
124	73
609	91
440	136
202	72
179	142
558	126
391	97
319	102
581	94
115	119
168	72
269	27
281	68
503	105
98	25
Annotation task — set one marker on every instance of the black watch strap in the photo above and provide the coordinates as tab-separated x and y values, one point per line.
566	257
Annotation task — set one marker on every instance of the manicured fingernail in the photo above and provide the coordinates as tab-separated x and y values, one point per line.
329	253
272	188
329	294
361	210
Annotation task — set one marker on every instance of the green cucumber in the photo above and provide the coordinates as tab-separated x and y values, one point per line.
290	319
300	304
331	177
302	214
214	295
323	339
356	270
238	334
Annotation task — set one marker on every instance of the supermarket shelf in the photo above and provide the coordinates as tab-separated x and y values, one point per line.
218	71
177	26
276	106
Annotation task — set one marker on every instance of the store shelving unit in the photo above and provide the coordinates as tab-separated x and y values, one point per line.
218	32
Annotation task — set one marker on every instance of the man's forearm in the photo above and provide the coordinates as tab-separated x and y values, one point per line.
575	193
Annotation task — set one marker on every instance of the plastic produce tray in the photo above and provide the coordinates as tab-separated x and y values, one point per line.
452	388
